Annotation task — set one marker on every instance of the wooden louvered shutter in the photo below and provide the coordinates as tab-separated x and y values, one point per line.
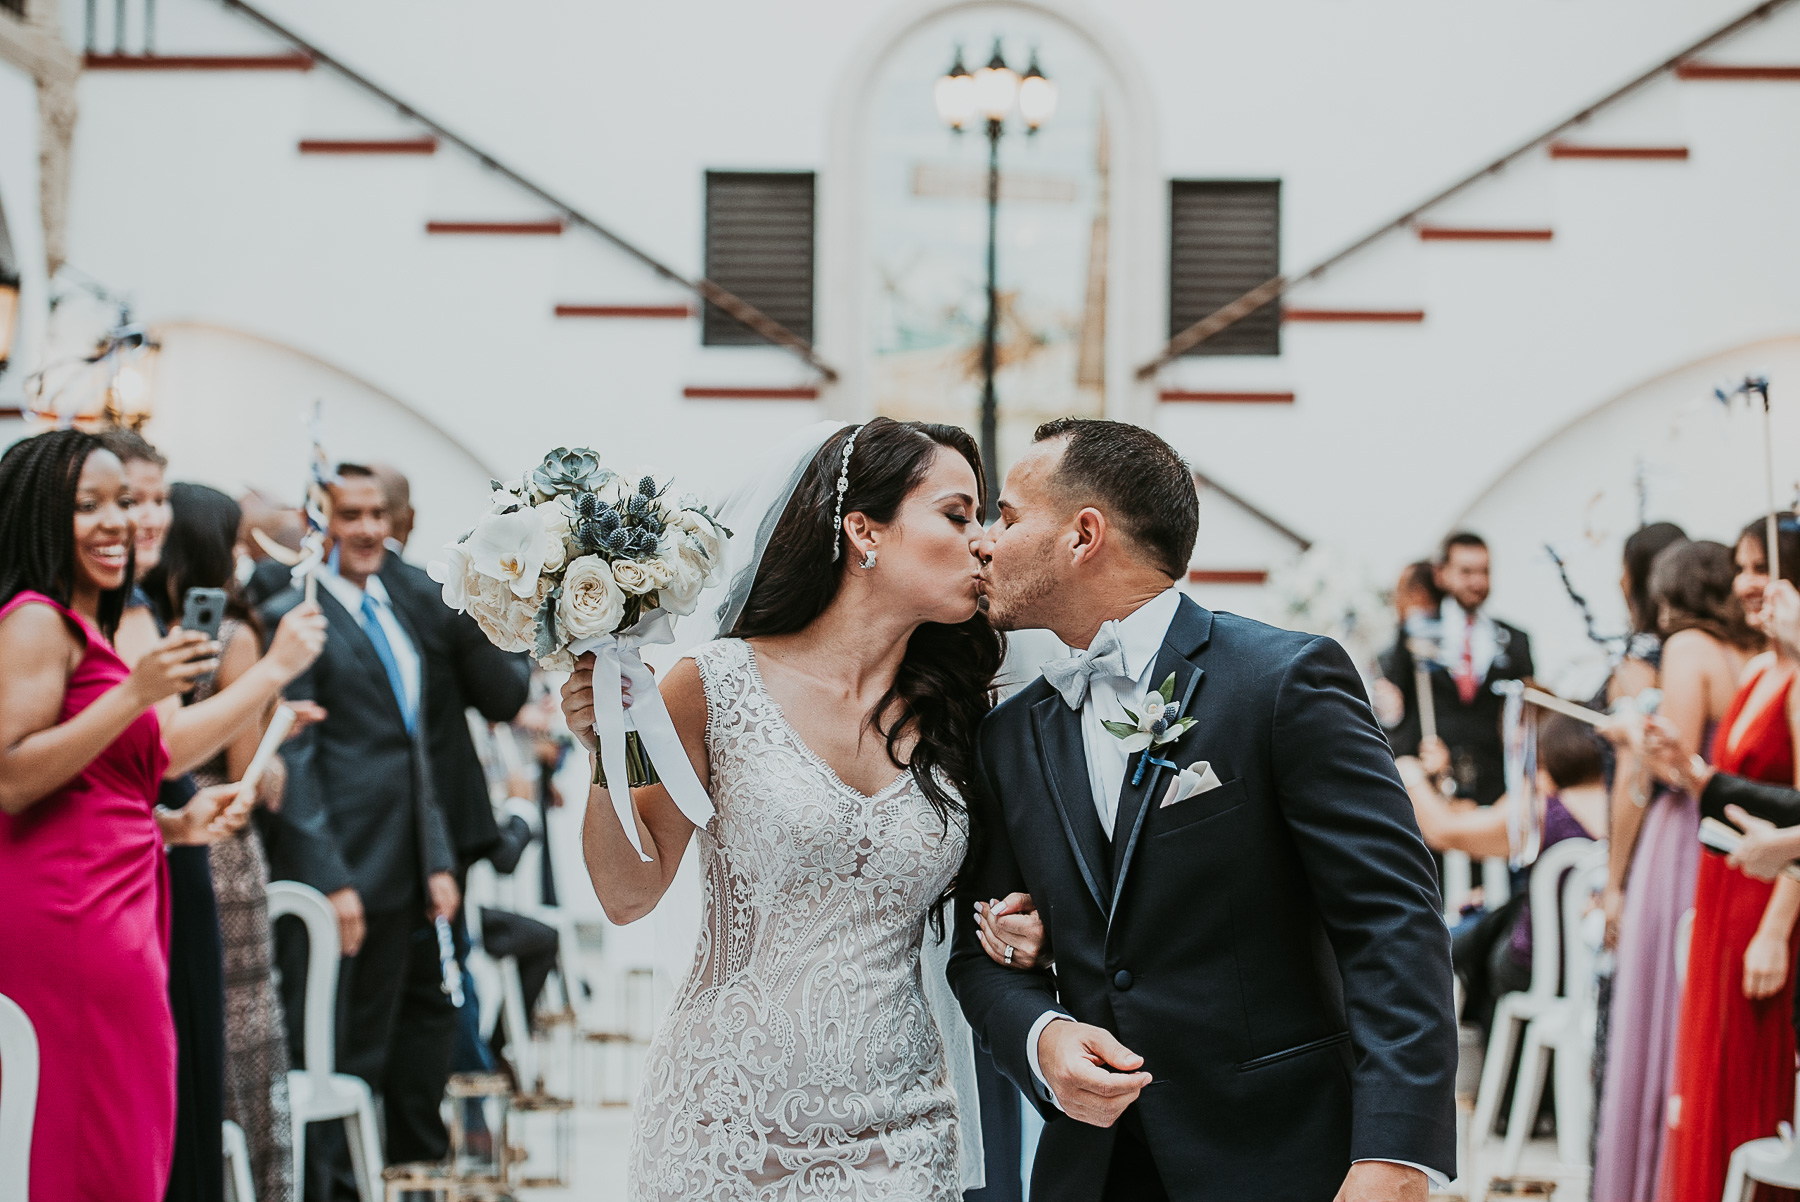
1224	240
759	246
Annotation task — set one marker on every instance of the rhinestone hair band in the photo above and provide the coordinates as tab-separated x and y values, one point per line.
843	486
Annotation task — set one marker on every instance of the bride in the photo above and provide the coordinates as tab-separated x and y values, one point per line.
833	728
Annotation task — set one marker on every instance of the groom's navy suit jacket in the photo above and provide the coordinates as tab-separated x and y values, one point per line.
1273	947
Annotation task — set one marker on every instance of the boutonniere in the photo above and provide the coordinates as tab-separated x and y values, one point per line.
1154	723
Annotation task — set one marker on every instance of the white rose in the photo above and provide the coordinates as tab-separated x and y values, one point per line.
508	620
556	533
633	577
592	602
682	594
560	660
709	538
510	547
660	570
453	572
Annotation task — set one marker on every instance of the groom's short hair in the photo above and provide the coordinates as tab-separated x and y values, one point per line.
1137	479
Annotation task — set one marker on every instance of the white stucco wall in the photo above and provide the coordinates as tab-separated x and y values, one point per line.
189	194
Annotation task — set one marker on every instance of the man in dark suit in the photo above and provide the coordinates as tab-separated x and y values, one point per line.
465	669
361	823
1251	990
1474	651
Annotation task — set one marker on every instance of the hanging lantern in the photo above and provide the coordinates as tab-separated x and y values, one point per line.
114	386
9	316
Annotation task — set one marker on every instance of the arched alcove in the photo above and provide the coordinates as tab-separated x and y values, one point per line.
1663	449
230	410
885	142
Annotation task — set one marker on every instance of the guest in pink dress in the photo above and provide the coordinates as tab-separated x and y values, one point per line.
84	944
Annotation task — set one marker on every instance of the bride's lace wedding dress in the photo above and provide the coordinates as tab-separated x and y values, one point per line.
800	1059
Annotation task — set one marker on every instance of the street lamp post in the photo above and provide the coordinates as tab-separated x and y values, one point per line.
993	93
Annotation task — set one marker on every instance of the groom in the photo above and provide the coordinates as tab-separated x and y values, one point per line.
1250	996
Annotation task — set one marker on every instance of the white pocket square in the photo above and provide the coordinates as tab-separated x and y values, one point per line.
1193	780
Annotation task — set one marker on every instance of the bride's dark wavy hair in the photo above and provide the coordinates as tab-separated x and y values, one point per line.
945	685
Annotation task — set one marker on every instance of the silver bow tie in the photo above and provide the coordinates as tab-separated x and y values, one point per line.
1103	659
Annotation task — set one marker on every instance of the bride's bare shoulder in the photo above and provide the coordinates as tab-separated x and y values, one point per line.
684	696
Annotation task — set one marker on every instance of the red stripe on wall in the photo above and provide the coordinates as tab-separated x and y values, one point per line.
1353	315
1228	398
672	311
1738	71
1449	233
368	146
198	62
1570	150
1227	576
551	227
702	393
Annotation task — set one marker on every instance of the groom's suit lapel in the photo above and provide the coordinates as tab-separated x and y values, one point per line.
1058	730
1187	634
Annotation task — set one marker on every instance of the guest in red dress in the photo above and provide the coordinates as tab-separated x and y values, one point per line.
1734	1055
84	943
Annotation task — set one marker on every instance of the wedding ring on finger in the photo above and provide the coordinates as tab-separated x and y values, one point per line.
1009	954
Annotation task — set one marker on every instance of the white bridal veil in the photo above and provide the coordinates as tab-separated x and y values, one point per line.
750	510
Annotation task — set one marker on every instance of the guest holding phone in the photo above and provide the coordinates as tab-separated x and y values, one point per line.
84	949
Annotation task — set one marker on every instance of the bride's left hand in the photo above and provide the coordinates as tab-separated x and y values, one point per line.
1011	922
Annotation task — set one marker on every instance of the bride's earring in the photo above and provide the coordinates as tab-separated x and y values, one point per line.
868	561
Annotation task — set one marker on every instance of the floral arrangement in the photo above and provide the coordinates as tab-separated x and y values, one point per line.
573	550
574	557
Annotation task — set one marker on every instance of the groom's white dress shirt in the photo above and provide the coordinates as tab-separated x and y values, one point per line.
1140	635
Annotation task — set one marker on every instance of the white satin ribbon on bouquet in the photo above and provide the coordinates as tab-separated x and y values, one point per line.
617	662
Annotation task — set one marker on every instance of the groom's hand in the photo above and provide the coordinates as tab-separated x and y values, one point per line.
1079	1063
1383	1181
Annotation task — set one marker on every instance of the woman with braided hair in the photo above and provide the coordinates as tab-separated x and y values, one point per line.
84	949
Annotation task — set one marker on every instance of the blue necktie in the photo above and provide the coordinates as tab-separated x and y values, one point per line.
384	651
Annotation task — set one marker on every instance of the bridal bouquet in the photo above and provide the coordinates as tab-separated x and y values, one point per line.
572	558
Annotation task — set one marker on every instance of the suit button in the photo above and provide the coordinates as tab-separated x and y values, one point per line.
1122	979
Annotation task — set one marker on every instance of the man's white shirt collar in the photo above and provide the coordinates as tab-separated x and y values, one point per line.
1141	632
351	597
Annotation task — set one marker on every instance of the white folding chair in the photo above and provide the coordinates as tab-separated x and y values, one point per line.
1771	1161
1516	1012
18	1099
1566	1029
237	1164
317	1093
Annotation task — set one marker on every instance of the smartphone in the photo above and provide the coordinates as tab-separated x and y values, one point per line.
203	609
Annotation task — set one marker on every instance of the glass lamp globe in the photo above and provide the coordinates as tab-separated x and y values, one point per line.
955	95
1037	97
996	88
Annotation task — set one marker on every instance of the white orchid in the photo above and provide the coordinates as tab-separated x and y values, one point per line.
511	547
452	572
1154	720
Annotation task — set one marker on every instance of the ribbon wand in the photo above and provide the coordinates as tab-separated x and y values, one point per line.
1758	386
305	562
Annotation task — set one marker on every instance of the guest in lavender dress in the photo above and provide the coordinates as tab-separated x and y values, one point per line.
1654	854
